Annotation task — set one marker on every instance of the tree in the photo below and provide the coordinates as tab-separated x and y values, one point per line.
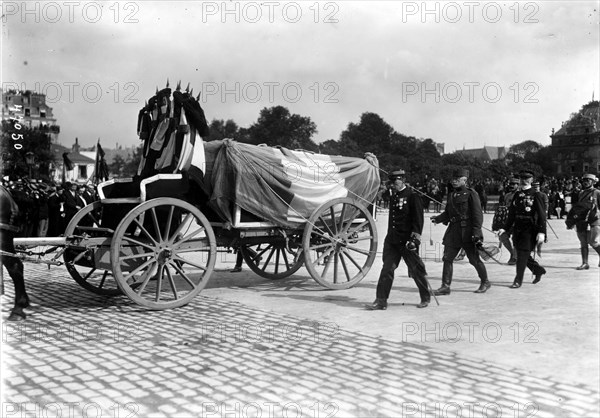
219	129
277	126
371	134
132	163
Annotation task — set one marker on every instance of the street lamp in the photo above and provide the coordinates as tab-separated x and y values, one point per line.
30	160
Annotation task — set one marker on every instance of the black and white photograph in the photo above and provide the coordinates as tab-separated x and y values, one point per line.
312	209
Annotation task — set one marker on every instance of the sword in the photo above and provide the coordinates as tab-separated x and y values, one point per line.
480	248
431	292
552	229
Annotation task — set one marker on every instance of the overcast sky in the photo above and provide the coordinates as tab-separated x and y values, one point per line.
466	74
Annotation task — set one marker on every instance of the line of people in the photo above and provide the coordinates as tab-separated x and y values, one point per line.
522	217
47	208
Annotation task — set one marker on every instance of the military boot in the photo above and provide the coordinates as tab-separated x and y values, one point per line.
379	305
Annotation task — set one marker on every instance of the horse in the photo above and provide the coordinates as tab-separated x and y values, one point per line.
8	214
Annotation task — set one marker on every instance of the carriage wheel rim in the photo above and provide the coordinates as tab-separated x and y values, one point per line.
106	286
162	279
331	242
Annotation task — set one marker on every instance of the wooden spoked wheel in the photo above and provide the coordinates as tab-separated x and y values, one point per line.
90	267
340	243
273	260
163	253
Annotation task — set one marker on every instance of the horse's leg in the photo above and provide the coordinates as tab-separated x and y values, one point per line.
15	269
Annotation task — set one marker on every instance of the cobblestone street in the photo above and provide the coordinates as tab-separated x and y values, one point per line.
252	347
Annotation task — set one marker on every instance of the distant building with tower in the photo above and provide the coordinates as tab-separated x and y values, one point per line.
576	145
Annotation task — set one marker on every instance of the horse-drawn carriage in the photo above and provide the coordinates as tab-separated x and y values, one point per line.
155	237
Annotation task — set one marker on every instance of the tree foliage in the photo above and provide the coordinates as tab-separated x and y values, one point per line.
277	126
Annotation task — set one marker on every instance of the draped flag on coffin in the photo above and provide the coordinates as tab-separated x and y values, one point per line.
280	185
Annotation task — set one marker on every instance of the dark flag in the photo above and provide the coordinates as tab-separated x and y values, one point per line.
68	163
101	167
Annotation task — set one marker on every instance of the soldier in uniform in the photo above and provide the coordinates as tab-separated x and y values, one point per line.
405	225
588	230
8	228
527	217
464	215
513	186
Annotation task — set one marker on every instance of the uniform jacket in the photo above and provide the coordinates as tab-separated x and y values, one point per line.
592	194
464	215
406	215
527	212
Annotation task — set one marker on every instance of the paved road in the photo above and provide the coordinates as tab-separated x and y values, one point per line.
252	347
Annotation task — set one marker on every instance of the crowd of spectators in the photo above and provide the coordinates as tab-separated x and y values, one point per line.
45	207
562	193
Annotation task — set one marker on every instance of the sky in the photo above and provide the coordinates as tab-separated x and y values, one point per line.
466	74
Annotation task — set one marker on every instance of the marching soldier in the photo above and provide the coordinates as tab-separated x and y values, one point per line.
500	219
527	217
588	230
464	215
405	225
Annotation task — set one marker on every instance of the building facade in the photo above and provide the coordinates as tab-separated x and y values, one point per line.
31	109
576	145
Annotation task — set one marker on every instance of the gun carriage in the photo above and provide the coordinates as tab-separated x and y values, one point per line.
155	237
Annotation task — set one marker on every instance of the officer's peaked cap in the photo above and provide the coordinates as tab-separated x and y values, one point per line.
526	173
590	176
460	172
397	173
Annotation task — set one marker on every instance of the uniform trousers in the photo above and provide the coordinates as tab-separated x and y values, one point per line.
13	265
392	254
473	256
524	243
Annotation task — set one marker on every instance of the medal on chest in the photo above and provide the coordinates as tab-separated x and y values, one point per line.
400	202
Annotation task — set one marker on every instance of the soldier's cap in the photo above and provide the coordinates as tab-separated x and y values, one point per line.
397	174
514	180
535	183
525	174
589	176
460	172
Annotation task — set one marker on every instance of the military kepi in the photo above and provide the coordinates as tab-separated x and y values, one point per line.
397	174
460	172
525	174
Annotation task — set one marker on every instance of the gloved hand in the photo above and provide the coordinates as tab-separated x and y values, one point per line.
416	238
478	241
500	232
540	238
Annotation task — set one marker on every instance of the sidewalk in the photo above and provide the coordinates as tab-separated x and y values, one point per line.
248	346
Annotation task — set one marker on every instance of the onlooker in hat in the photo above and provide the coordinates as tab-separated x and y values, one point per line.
405	225
55	201
536	186
464	215
72	202
588	229
502	214
527	217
